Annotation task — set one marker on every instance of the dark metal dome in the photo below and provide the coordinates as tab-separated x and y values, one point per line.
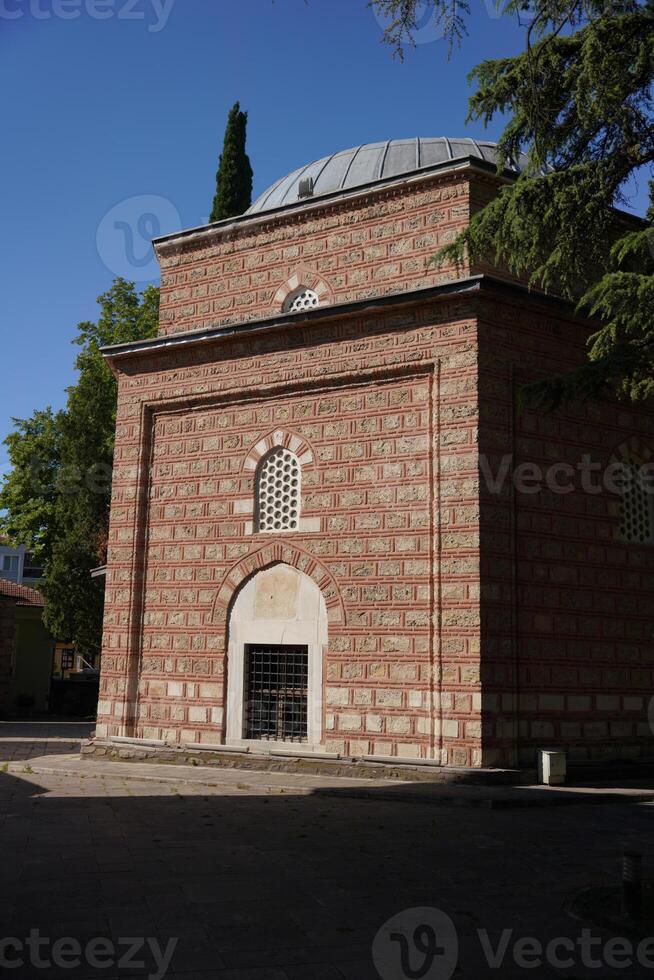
370	162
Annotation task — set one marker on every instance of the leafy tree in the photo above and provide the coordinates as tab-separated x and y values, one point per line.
65	515
29	491
73	600
579	104
405	17
234	176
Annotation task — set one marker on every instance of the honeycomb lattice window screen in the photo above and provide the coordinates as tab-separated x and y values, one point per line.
302	299
278	491
636	504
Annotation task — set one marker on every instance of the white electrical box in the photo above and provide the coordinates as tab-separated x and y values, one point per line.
551	767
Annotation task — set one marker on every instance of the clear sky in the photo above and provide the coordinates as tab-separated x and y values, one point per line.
113	113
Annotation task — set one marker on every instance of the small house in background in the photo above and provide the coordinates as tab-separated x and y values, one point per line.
75	682
63	661
26	649
37	674
18	565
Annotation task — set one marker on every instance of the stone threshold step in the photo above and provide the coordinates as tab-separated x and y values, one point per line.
408	790
288	760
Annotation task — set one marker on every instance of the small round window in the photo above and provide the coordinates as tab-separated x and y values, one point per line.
302	299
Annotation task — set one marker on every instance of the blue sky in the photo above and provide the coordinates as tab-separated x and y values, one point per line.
113	109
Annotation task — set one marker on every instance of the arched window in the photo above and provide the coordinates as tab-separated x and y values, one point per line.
301	299
636	502
278	491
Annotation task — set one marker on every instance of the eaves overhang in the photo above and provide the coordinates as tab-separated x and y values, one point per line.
282	321
455	289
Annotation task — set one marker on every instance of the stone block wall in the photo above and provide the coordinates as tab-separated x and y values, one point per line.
388	406
468	623
567	614
374	243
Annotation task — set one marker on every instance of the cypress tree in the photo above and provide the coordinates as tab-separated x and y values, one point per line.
234	177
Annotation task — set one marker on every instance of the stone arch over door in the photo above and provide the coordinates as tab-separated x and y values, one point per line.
278	608
279	550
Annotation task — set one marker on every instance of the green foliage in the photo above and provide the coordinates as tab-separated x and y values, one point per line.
234	176
401	16
29	491
579	104
63	515
74	600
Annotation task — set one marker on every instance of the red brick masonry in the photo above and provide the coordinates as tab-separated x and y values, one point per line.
465	625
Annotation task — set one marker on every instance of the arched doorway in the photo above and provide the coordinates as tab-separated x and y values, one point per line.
277	639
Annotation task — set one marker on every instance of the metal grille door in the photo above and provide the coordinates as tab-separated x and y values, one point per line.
276	679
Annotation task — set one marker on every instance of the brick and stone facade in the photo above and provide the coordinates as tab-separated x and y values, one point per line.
466	623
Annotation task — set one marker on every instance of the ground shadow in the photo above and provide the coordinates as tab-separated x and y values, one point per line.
292	887
22	740
45	728
502	797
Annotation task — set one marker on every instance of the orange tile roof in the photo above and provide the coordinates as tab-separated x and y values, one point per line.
24	595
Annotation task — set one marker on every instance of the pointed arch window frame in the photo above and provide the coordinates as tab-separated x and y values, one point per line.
303	278
245	508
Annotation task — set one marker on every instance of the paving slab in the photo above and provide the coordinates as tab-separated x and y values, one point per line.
24	740
284	876
193	778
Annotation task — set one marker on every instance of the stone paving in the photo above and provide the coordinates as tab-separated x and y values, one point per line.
29	739
257	876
